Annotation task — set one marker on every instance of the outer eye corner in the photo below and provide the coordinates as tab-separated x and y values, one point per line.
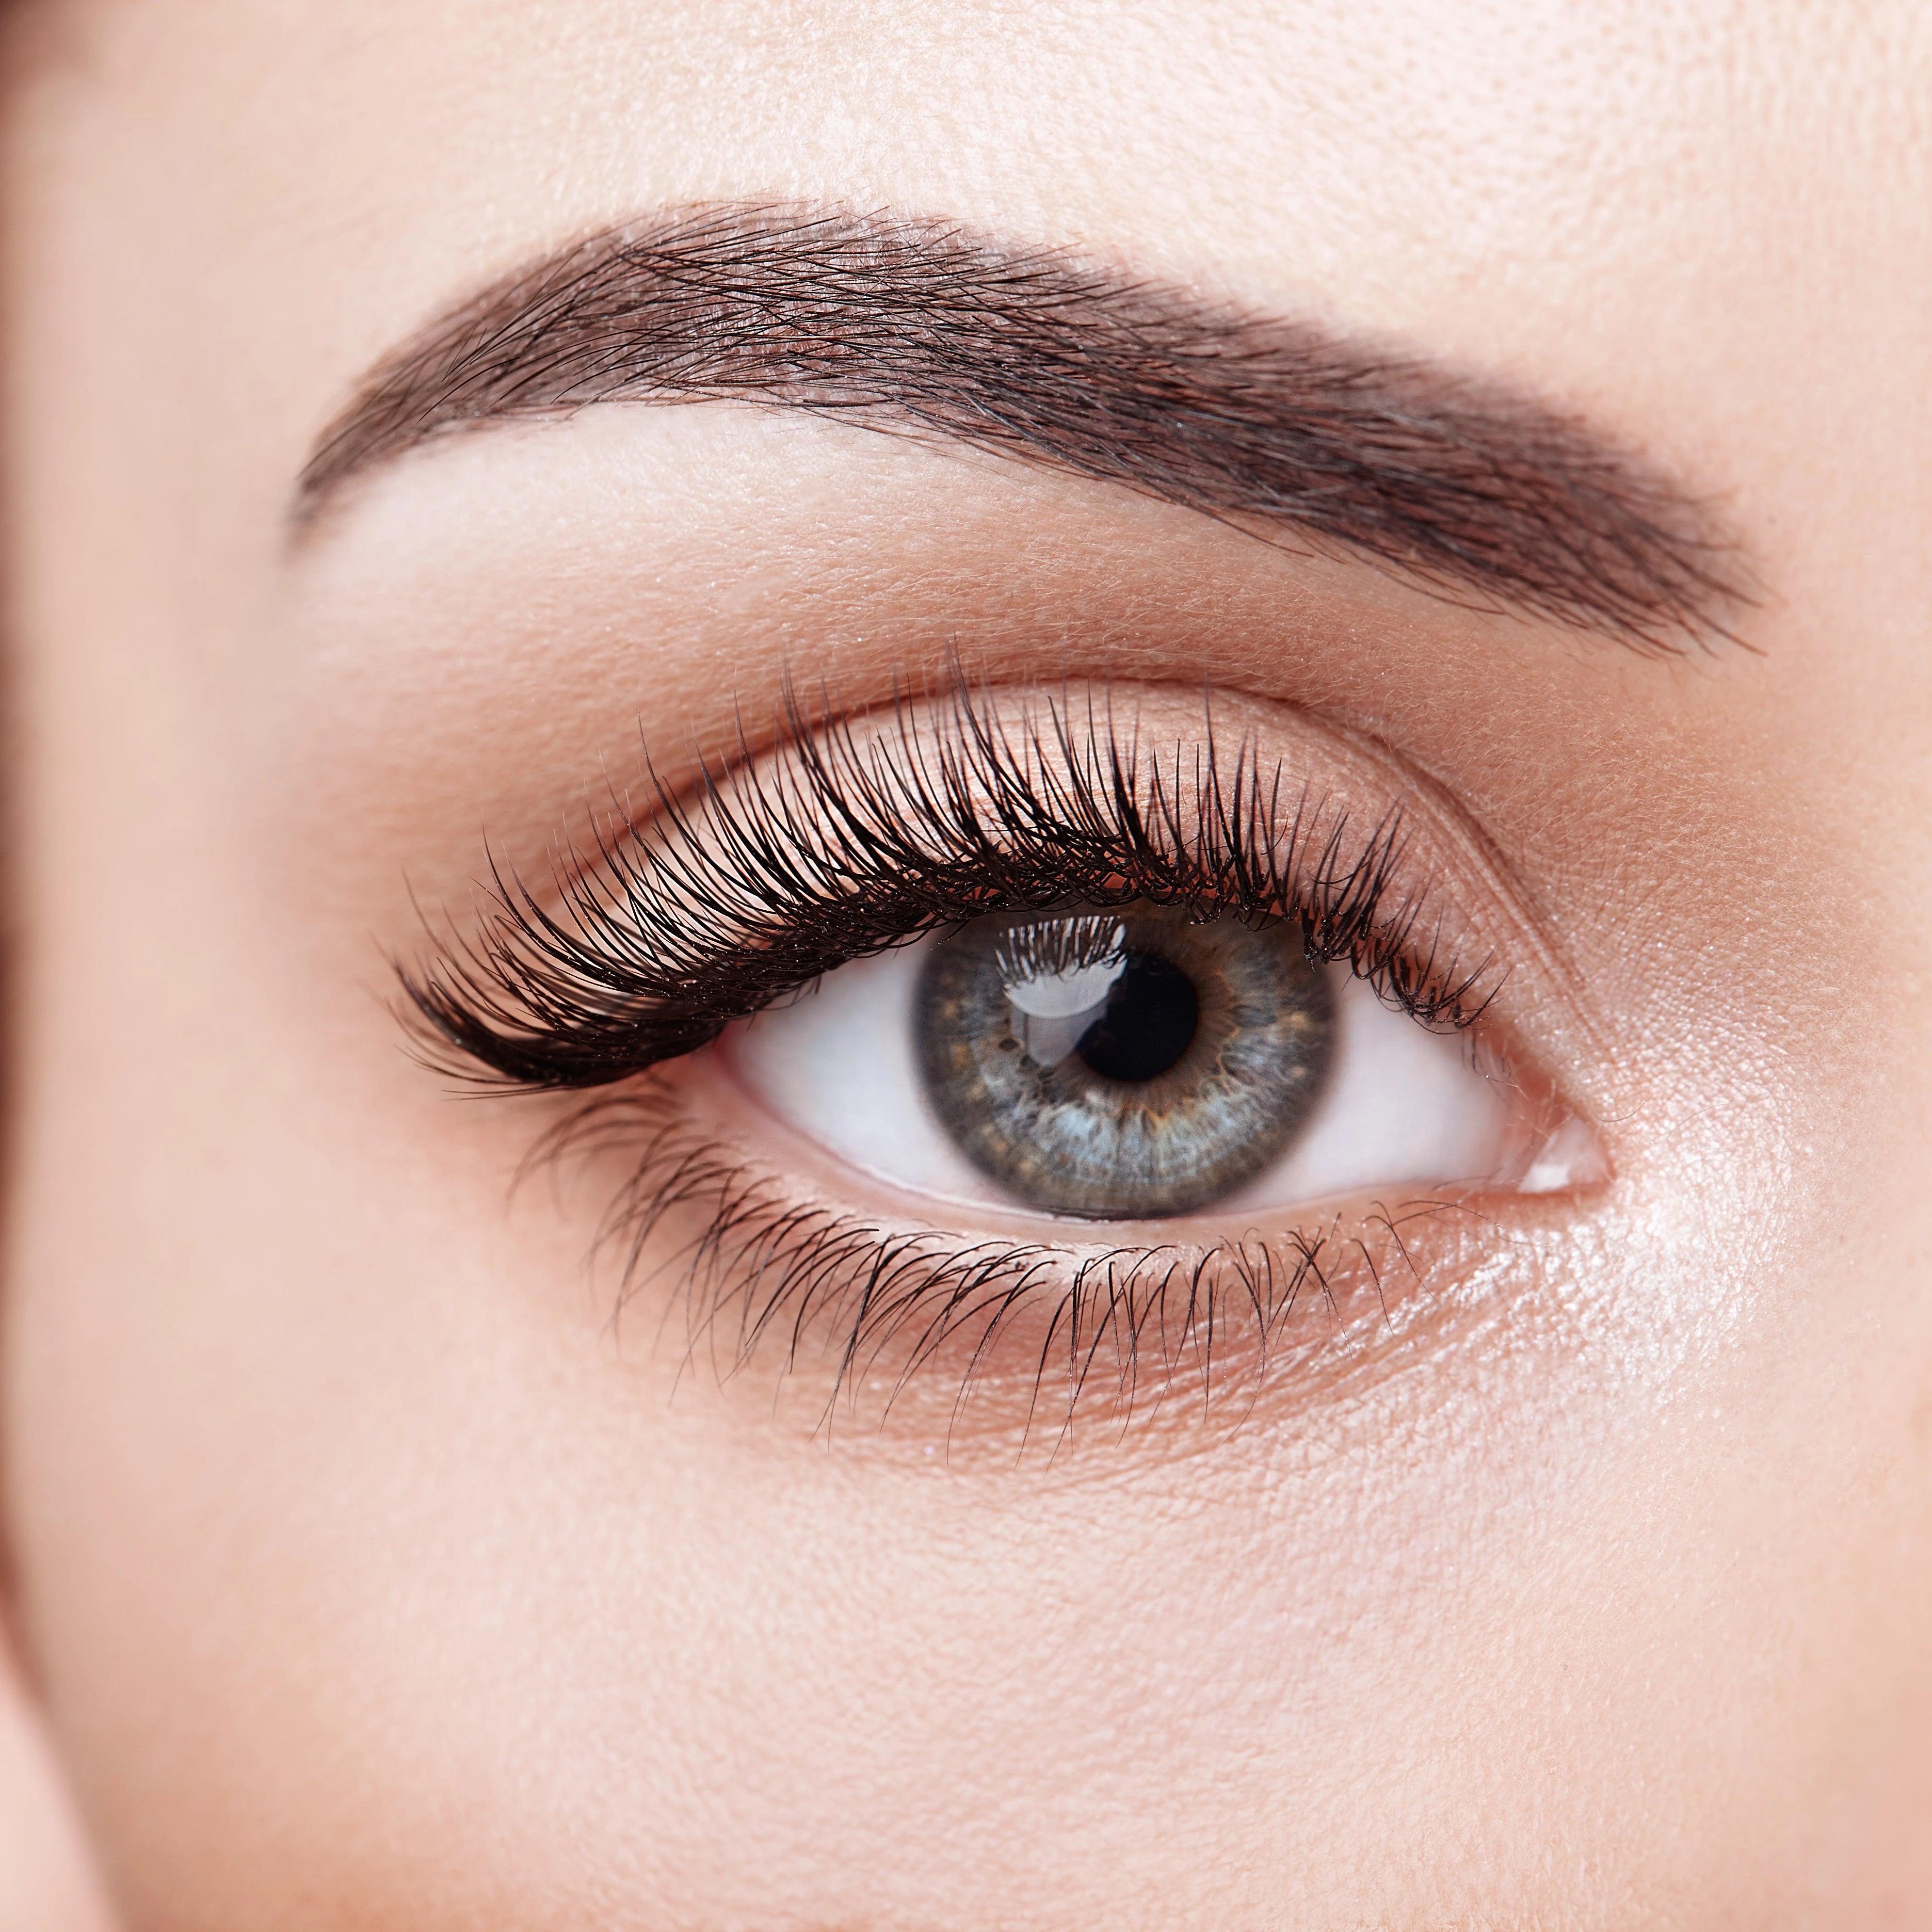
1569	1159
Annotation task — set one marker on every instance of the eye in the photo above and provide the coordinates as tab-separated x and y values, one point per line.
1071	966
1137	1064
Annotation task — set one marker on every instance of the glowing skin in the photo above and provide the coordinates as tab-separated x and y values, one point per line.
367	1571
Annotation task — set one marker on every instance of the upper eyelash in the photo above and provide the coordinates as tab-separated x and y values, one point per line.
844	845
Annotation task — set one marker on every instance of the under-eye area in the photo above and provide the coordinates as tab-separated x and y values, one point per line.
747	1264
1049	1052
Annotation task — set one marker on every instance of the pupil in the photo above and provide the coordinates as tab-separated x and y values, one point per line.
1152	1011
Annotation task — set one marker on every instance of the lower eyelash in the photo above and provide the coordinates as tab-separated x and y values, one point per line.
1052	1337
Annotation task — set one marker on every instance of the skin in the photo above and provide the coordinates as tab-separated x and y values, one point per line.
366	1572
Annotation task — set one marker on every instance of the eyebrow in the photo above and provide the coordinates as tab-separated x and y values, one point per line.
1472	490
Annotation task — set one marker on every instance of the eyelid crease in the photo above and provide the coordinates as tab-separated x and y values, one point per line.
1540	939
847	839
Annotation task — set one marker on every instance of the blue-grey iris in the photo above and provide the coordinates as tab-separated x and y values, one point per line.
1123	1064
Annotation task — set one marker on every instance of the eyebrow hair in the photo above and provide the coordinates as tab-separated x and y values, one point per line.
1458	484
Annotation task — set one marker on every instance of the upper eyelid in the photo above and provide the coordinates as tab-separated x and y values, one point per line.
1453	823
621	966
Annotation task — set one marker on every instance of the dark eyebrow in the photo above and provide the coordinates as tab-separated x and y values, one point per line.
1476	493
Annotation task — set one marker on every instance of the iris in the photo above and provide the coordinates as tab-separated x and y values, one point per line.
1124	1064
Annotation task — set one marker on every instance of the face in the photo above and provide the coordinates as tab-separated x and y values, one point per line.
1020	1020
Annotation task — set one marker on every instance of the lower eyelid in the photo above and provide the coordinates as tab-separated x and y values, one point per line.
1006	1334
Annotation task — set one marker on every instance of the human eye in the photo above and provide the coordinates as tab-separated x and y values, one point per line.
1015	1026
1135	1063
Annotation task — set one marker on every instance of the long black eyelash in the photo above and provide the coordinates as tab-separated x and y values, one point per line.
853	841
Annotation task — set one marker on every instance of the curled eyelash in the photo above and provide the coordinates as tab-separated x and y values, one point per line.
851	840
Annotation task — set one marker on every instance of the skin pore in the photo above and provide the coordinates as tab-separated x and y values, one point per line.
370	1564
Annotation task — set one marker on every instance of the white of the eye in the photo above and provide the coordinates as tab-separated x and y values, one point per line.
1403	1106
839	1065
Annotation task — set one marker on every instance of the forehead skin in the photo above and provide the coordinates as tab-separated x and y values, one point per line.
370	1579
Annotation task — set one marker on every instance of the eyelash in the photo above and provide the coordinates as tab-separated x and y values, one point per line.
847	841
829	853
1207	1321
